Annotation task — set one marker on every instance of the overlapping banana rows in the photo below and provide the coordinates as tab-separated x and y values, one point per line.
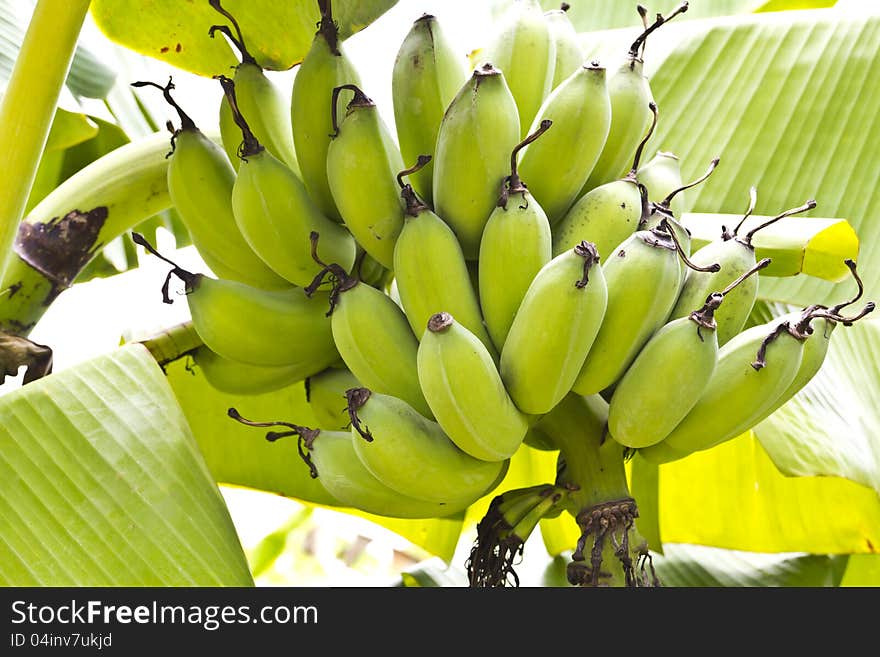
444	288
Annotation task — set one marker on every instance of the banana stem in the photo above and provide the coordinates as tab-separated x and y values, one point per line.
753	200
327	27
237	41
633	173
173	343
809	205
861	288
250	144
28	106
66	230
660	20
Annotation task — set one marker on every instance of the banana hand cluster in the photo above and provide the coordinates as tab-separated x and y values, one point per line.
447	285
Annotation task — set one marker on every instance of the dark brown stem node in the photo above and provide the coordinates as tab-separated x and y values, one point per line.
237	39
250	145
356	398
590	254
189	279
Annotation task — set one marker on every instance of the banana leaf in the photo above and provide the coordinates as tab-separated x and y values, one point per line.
101	480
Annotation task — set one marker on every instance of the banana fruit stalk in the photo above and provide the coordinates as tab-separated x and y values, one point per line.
413	455
267	108
554	329
524	49
426	77
580	110
516	244
325	67
430	270
479	130
465	392
362	162
275	213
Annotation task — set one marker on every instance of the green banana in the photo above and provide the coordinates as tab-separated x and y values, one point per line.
275	213
331	459
240	378
609	213
479	130
643	280
325	393
516	243
465	391
362	162
753	370
280	328
569	54
325	67
413	455
580	110
630	94
736	255
431	274
681	356
553	329
200	182
523	48
265	105
373	336
426	77
661	175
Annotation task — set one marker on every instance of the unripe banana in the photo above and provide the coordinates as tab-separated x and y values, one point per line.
412	454
325	393
200	182
569	55
524	49
661	176
516	244
465	391
374	338
608	214
430	270
427	75
553	330
331	459
752	372
325	67
239	378
280	328
479	130
276	214
643	279
630	93
267	108
669	374
362	162
580	110
736	255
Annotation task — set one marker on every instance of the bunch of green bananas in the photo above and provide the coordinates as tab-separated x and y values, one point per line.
497	268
